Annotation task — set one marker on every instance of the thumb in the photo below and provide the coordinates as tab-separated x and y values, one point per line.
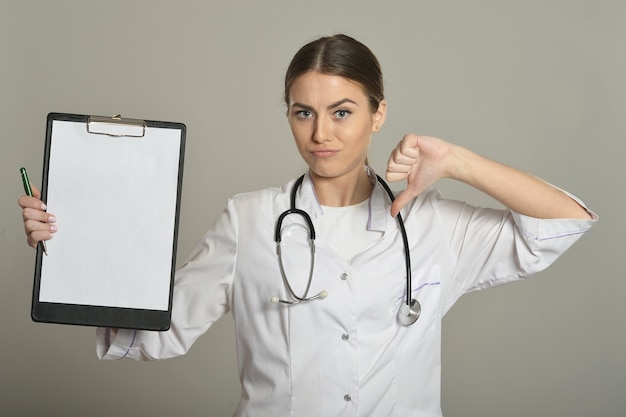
36	192
402	200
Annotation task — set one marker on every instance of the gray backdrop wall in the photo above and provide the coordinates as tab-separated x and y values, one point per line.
535	84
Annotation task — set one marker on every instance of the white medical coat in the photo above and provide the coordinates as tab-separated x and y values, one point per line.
347	354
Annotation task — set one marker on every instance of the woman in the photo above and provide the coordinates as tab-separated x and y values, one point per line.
345	350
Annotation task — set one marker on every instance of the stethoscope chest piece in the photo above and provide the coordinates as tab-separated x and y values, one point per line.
409	314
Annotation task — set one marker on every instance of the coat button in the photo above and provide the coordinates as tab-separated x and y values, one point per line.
345	336
347	398
343	276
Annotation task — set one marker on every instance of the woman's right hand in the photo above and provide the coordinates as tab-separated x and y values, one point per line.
38	224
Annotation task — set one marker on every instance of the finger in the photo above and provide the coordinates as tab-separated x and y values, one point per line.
38	224
37	214
36	230
403	155
408	144
35	237
31	202
40	221
399	167
401	200
397	175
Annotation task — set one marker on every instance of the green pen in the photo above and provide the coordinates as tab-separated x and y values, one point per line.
29	192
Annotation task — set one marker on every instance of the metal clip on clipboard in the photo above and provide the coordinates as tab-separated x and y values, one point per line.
116	126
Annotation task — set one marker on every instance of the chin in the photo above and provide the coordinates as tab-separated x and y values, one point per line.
328	172
323	172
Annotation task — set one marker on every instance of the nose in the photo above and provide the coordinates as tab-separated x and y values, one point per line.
321	132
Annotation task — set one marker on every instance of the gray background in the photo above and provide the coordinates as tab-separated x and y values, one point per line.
535	84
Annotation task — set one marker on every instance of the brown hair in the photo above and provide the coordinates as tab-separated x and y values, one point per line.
343	56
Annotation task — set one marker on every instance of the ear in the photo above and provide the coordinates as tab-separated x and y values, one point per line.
379	116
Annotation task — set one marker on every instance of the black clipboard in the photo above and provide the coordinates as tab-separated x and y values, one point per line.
115	186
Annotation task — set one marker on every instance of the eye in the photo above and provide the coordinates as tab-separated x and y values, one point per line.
342	114
303	114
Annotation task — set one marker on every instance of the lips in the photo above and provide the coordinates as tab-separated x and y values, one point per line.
324	153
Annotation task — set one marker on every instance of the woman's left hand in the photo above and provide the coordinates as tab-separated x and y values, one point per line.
422	161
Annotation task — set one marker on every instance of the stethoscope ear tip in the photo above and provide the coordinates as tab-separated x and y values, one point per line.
274	299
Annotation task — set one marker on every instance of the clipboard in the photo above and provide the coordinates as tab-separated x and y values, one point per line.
115	186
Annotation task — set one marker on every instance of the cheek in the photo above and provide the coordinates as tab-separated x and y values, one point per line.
300	138
296	132
358	136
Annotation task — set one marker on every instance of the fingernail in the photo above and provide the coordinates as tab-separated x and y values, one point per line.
43	206
52	219
54	228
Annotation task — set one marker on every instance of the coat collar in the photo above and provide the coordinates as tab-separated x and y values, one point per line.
379	203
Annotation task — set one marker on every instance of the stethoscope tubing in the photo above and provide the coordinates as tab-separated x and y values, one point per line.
405	242
408	314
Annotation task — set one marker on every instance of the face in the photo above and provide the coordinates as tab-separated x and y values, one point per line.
332	122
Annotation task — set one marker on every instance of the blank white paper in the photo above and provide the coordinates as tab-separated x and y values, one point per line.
115	203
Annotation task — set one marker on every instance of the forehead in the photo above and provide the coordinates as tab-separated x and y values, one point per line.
319	87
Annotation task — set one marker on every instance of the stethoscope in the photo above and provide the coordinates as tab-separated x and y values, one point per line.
410	309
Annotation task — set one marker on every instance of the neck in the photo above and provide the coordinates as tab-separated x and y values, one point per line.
344	191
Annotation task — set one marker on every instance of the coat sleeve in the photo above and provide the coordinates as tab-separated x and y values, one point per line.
201	296
491	247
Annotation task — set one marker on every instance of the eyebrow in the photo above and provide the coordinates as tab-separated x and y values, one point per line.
331	106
